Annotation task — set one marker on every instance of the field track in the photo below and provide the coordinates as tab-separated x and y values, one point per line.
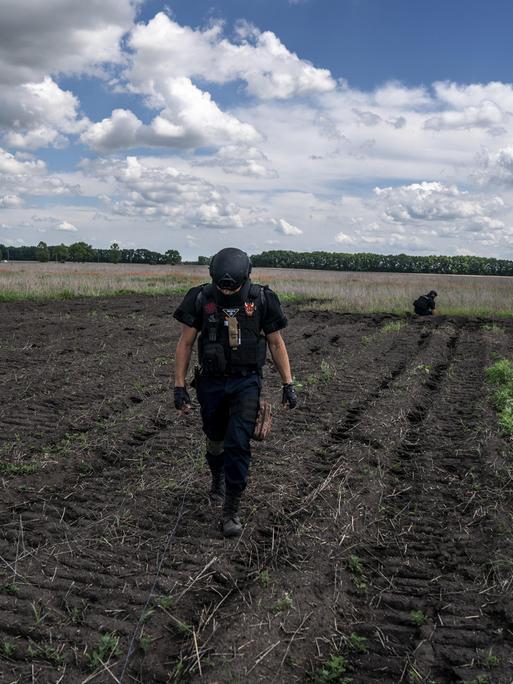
378	515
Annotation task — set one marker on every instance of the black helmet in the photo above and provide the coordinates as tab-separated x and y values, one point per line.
230	268
432	293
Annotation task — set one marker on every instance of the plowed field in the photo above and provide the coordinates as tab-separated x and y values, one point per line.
377	544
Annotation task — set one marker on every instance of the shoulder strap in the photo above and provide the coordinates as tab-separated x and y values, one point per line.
201	297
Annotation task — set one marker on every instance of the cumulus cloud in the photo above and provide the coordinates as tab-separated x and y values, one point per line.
164	49
443	211
60	37
191	119
66	227
38	114
160	193
29	177
286	228
485	115
41	41
240	160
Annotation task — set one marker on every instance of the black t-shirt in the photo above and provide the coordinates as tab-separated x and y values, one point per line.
274	319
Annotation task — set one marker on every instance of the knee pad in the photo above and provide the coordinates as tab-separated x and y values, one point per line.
214	448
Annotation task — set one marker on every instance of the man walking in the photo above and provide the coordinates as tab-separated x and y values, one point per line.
236	321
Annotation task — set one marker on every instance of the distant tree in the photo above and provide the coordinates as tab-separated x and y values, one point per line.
59	253
42	252
114	253
81	251
204	261
3	252
173	256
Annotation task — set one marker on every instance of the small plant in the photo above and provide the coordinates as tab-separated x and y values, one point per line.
500	374
264	578
493	328
357	643
284	603
11	588
332	671
7	649
145	641
355	566
327	372
164	602
77	613
18	468
418	618
40	614
107	647
47	652
393	326
490	660
424	368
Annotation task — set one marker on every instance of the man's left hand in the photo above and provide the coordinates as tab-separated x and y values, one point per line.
289	397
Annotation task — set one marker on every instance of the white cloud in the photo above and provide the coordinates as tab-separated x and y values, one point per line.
191	119
145	189
67	227
241	160
60	36
286	228
485	115
343	238
164	49
433	201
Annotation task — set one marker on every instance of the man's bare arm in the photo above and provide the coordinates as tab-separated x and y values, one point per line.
184	349
280	356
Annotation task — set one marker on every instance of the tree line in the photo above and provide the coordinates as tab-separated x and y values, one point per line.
81	251
391	263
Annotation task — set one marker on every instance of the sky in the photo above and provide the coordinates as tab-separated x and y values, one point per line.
339	125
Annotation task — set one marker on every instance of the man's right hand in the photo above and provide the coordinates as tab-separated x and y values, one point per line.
182	400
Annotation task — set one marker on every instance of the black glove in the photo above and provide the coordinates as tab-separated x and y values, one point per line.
182	398
289	396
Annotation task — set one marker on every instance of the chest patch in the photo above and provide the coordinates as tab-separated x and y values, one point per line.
209	308
249	308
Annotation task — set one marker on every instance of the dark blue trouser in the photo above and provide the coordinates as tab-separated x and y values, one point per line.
229	409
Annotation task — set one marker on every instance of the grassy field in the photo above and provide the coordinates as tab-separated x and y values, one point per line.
336	291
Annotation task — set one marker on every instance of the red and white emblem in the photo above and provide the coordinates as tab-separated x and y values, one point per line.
249	308
209	308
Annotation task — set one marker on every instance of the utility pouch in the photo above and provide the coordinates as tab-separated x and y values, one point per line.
213	362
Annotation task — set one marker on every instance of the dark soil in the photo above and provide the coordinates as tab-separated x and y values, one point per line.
377	544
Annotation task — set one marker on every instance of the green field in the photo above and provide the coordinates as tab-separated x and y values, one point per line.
331	290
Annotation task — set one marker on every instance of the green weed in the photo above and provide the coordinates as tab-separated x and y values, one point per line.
284	603
264	578
331	672
355	566
418	618
164	602
7	649
392	327
500	374
18	468
357	643
145	641
107	647
47	652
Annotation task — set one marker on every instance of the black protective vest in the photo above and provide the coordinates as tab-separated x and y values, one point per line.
217	354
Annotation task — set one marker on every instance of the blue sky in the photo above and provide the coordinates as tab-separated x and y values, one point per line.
341	125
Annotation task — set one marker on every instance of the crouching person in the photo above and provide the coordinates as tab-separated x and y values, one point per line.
236	321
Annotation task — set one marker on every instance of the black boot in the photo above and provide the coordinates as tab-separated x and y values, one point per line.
230	523
217	488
